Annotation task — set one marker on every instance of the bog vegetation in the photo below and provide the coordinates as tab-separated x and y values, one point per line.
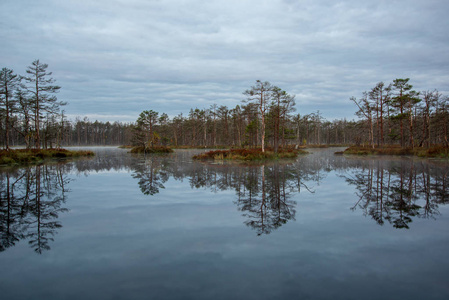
390	116
249	154
27	156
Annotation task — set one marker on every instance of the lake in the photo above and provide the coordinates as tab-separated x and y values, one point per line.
123	226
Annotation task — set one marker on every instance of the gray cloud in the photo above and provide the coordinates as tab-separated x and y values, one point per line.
114	59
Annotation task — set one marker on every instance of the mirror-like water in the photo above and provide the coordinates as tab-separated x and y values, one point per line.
120	226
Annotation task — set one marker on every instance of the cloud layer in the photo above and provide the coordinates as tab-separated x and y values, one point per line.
114	59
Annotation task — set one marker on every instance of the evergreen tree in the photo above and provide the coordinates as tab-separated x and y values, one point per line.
42	89
260	94
8	83
145	125
400	101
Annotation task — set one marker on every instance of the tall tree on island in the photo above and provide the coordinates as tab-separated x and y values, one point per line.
24	108
146	121
8	83
380	95
261	94
282	104
42	89
430	102
399	102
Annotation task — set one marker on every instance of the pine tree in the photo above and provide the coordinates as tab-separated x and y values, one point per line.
260	94
8	83
42	89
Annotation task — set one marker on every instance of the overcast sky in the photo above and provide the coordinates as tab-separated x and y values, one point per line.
114	59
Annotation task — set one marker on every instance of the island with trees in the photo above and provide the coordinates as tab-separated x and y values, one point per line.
391	119
402	121
28	106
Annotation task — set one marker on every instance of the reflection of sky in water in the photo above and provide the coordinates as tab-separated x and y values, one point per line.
192	243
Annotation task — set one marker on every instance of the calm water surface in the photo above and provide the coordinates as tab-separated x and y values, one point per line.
120	226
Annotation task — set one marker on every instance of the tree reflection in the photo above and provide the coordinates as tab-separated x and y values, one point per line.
30	201
389	191
152	174
263	191
265	198
399	191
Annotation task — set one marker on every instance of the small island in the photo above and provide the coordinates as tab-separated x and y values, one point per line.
435	151
249	154
33	156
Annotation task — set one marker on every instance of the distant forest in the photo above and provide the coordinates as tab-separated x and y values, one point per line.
389	114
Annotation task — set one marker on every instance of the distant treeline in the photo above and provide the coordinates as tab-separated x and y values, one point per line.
31	116
59	133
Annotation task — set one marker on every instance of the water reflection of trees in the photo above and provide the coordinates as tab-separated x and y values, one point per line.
393	191
398	191
264	197
151	174
263	192
30	201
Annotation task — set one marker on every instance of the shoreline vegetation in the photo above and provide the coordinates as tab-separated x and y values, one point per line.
36	156
432	152
249	154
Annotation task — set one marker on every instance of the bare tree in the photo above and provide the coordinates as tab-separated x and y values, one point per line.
366	110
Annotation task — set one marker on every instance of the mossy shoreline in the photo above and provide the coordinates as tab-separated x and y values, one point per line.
249	154
35	156
432	152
